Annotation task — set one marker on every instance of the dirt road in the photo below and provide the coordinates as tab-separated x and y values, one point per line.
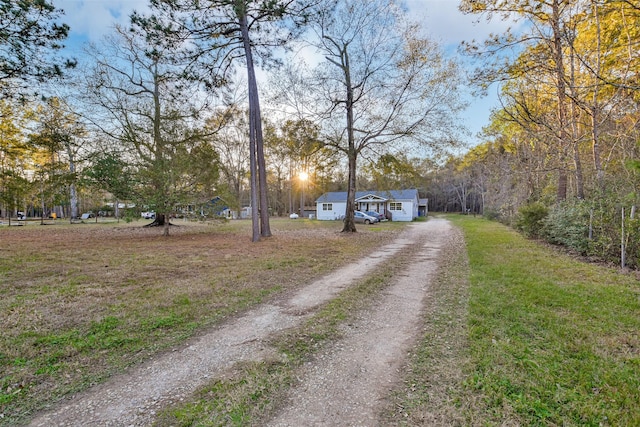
345	385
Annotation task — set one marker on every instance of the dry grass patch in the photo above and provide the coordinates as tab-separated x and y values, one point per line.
78	303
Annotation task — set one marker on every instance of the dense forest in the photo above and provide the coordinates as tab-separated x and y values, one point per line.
166	114
559	159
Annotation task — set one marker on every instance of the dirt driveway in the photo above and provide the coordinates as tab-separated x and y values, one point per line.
345	385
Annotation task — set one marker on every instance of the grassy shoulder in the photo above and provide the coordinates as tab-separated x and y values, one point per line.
550	340
81	302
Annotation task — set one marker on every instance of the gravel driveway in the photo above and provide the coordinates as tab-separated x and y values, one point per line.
344	385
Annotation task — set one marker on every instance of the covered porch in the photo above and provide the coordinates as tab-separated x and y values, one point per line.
372	202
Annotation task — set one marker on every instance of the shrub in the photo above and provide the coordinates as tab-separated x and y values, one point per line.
605	245
567	224
632	243
492	215
530	218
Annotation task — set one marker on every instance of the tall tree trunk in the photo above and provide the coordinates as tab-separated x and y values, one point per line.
290	189
43	206
165	226
595	148
575	134
257	163
162	214
577	163
595	128
253	168
301	200
73	199
73	194
349	222
563	135
265	228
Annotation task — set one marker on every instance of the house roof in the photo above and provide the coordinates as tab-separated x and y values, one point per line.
341	196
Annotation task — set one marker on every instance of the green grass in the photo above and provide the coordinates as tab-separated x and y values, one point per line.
553	340
519	333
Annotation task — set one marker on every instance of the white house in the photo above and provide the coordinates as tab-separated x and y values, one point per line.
396	205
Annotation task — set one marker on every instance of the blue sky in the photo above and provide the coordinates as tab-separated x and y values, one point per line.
92	19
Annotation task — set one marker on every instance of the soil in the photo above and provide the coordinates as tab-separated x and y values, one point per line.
346	384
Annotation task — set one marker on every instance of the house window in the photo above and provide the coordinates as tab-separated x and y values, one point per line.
395	206
327	206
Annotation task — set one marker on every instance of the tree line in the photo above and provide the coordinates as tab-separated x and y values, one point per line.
560	157
166	113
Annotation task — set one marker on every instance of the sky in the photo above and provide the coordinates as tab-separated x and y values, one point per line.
90	20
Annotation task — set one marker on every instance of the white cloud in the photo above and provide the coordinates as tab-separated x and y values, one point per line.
92	19
445	23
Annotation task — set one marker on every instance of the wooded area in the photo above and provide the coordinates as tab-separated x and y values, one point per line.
560	158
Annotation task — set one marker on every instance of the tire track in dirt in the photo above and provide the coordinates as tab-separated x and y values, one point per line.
346	384
134	398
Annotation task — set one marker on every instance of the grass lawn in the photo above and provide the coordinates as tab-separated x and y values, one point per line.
550	340
81	302
516	333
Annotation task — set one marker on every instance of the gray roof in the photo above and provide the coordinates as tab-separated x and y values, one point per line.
341	196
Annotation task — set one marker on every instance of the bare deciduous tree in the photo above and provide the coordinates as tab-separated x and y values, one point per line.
380	85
